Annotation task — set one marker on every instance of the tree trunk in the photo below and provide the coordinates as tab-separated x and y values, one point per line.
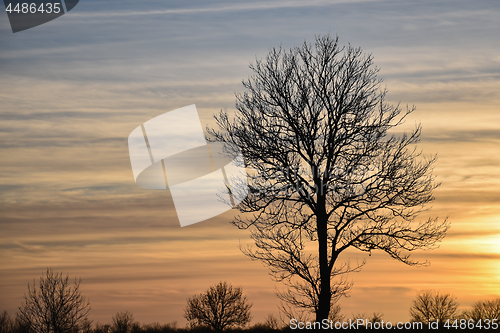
325	293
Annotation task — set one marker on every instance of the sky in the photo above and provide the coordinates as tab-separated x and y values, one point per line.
73	89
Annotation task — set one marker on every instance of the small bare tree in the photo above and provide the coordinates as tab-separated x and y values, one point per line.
220	307
482	310
102	328
272	322
123	322
6	323
56	306
375	317
432	305
327	170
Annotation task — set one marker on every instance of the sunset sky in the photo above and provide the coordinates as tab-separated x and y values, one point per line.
73	89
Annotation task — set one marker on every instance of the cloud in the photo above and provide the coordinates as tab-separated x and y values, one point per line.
220	7
464	135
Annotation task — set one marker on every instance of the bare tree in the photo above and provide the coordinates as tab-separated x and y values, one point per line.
6	323
220	307
123	322
86	326
272	322
325	174
56	306
376	317
100	328
432	305
482	310
335	314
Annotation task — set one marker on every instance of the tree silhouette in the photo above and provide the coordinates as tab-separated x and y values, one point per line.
220	307
123	322
325	174
100	328
433	305
6	323
489	309
56	306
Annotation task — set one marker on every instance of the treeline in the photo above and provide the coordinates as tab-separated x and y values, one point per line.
57	306
123	322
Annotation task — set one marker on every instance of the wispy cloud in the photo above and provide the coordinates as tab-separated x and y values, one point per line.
224	7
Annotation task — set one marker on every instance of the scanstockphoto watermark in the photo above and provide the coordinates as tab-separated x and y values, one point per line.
363	324
26	14
353	324
287	181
